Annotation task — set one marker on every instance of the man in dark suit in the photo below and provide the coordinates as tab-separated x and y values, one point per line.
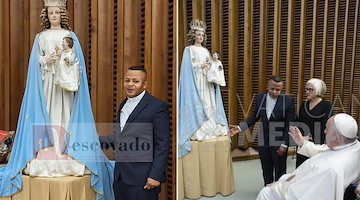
276	110
141	141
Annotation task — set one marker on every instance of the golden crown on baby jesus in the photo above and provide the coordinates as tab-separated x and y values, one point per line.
198	25
57	3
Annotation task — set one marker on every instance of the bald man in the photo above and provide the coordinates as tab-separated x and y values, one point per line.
331	169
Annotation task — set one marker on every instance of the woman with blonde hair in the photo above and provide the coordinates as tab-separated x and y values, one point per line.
313	113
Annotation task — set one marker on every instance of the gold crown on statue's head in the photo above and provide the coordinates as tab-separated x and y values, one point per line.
57	3
198	25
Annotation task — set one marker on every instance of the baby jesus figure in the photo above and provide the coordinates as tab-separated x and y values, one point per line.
67	73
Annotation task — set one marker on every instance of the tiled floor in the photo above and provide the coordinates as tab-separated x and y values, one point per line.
248	180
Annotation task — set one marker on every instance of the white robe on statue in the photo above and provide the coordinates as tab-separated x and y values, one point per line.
322	177
50	161
216	73
209	129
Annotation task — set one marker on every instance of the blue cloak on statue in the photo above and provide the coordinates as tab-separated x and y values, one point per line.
81	131
191	112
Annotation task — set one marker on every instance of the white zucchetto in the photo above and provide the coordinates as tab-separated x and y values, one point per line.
346	125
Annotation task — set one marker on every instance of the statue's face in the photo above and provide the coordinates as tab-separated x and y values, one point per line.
215	56
65	44
199	37
54	14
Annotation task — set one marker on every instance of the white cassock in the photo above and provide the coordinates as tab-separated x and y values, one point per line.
322	177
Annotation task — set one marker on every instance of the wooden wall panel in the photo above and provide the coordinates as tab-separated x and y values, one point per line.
248	57
229	56
290	46
208	19
80	24
228	43
216	25
263	15
284	7
26	33
120	49
34	9
302	41
103	68
159	47
354	77
132	42
314	38
316	68
18	64
334	50
172	96
198	11
298	40
221	44
5	121
324	41
276	37
236	68
93	52
296	51
181	27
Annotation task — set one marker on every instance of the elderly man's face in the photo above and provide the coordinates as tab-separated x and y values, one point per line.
332	138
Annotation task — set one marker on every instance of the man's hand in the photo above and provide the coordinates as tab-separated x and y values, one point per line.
234	129
269	184
281	151
151	183
296	135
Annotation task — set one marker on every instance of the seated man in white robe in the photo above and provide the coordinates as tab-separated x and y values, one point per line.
331	169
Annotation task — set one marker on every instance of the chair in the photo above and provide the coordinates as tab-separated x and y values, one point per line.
349	192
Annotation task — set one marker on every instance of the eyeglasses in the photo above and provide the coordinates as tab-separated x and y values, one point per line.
309	89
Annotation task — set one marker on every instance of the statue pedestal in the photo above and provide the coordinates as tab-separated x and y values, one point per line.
60	188
206	170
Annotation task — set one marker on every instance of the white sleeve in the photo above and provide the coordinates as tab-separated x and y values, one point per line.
310	149
42	58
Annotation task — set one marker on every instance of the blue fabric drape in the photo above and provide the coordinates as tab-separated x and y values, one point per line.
34	123
190	110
